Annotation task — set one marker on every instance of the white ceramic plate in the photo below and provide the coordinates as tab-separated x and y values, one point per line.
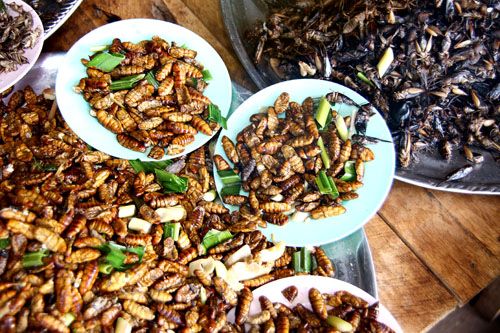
303	283
10	78
378	177
75	109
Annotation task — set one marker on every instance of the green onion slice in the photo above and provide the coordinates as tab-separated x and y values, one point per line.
215	237
170	182
324	153
229	177
349	171
214	114
233	189
106	62
302	261
341	127
127	82
149	167
105	268
322	112
34	259
172	230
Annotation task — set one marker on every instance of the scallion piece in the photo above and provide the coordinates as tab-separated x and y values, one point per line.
215	115
68	318
105	268
335	192
349	171
115	256
339	324
326	185
322	112
106	62
229	177
324	153
152	80
4	243
98	48
139	250
34	259
171	182
127	82
149	167
363	78
207	76
172	230
302	261
215	237
231	190
2	6
341	127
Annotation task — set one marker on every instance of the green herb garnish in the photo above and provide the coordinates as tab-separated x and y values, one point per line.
215	115
215	237
127	82
171	182
302	261
207	76
34	259
172	230
149	167
105	61
4	243
152	80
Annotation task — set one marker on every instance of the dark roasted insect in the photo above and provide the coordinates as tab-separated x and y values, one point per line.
423	64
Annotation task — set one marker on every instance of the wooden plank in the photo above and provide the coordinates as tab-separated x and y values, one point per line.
433	232
188	19
406	287
478	214
209	13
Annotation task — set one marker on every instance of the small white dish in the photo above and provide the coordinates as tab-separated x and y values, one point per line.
8	79
304	283
378	178
75	109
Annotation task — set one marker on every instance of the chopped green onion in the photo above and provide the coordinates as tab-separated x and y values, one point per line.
40	166
127	82
207	76
99	48
171	182
324	153
106	62
349	171
229	177
322	112
105	268
215	115
115	256
341	127
231	190
194	82
339	324
326	185
2	6
184	46
385	62
215	237
302	261
172	230
149	167
4	243
33	259
152	80
68	318
363	78
203	295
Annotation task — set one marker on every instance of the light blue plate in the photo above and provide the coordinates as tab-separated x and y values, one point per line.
75	109
378	173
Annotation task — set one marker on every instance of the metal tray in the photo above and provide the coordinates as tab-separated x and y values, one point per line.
351	255
53	13
427	171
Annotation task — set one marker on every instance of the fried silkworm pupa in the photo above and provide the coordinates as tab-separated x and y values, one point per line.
318	303
235	200
129	142
324	262
323	212
230	150
243	306
290	293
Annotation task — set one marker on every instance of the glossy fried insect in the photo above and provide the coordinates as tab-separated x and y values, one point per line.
323	212
324	262
228	294
290	293
230	149
318	303
129	142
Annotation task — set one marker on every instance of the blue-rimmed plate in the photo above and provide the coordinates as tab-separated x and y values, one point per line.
75	109
378	177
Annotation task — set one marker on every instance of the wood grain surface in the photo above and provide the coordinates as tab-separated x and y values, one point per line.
432	250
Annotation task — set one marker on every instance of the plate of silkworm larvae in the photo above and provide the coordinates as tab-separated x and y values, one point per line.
88	243
143	89
311	303
313	159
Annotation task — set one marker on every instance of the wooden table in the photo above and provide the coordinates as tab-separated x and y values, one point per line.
433	251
